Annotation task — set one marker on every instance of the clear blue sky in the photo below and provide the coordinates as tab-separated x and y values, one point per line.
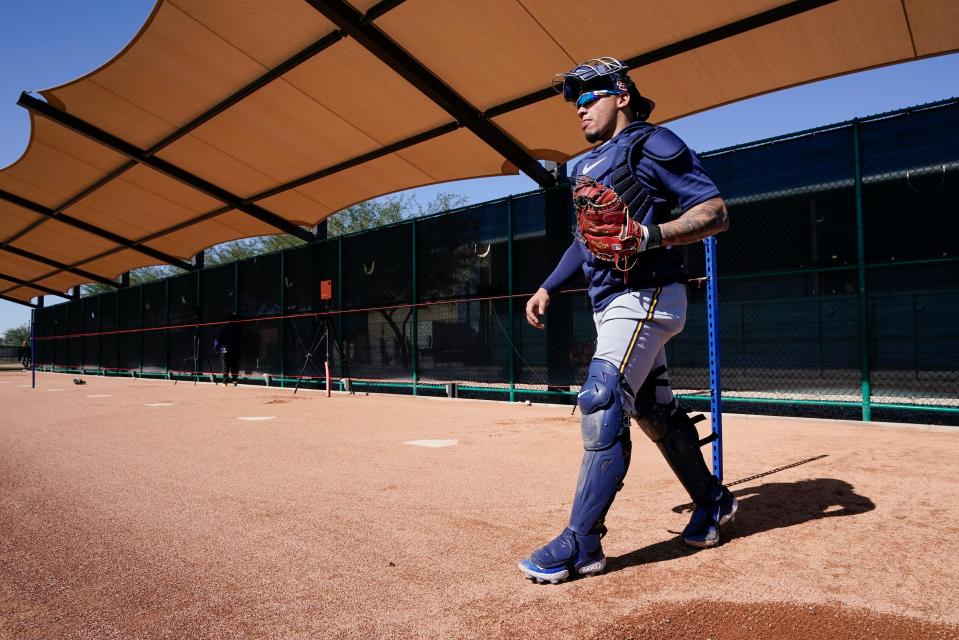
45	43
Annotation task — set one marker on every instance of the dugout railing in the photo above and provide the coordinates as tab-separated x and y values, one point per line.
836	281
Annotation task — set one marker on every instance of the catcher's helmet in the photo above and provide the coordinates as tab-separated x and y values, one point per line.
601	73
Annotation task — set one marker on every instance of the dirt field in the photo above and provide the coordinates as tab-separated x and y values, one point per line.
140	509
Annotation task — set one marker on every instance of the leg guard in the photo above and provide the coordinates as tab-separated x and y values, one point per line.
605	428
675	434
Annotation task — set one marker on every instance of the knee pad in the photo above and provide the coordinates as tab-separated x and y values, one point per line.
601	403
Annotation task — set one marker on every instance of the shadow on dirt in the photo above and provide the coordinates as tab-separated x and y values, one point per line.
762	508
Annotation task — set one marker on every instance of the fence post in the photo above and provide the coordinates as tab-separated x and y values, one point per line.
166	326
140	332
282	316
414	329
33	348
82	331
509	299
197	317
861	269
339	305
99	334
559	326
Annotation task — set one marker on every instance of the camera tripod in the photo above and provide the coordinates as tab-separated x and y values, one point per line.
324	332
197	359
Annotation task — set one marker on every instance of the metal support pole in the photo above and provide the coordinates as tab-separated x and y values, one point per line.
33	348
140	332
509	299
82	330
236	287
282	317
339	300
414	333
715	382
100	335
166	327
861	269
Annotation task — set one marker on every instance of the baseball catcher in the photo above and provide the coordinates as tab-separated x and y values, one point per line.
624	191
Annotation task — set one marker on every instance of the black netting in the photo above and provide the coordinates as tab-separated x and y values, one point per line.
260	347
75	329
91	332
370	336
912	347
182	299
803	316
378	268
182	339
108	325
47	328
531	262
304	269
128	342
218	297
463	254
153	347
305	336
259	286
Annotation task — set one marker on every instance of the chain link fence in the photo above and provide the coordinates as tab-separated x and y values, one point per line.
837	278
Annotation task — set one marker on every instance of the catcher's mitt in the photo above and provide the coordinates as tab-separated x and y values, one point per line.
605	225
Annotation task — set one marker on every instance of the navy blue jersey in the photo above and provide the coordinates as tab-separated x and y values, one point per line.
675	179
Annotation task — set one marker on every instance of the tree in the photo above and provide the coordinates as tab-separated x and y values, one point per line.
17	335
359	217
137	276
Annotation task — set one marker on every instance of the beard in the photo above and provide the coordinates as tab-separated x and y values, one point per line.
594	137
600	135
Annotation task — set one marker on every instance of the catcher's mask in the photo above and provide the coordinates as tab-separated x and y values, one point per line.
602	74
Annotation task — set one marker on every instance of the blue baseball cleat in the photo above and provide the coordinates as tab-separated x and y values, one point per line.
568	553
703	528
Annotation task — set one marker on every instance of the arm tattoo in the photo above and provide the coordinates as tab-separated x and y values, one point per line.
704	220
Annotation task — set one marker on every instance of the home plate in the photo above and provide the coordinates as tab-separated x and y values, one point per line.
255	418
54	389
101	395
158	404
433	444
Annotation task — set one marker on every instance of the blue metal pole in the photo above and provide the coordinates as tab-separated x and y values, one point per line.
715	383
33	349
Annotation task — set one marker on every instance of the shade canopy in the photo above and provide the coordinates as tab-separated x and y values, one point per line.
225	119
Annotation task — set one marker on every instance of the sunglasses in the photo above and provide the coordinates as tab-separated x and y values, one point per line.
590	97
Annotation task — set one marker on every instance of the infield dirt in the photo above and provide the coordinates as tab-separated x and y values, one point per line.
178	520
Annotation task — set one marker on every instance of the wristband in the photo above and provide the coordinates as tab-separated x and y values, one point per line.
654	237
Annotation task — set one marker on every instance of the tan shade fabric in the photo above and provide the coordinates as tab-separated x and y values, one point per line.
303	114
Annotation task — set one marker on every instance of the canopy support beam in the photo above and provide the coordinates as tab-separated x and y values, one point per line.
38	287
738	27
89	228
140	156
376	42
15	301
89	275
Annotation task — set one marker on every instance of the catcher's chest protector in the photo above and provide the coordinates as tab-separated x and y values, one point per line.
611	204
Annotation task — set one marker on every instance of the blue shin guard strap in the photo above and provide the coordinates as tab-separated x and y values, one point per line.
568	548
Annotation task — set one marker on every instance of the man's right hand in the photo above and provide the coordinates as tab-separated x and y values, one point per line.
535	307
